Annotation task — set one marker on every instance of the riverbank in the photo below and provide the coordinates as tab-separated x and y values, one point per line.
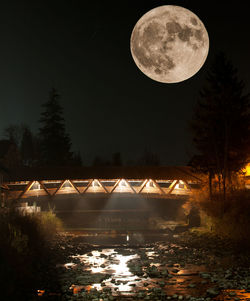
183	266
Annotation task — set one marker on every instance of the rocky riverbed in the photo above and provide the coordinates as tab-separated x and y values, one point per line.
173	267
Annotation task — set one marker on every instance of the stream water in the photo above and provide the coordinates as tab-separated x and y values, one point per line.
154	272
123	281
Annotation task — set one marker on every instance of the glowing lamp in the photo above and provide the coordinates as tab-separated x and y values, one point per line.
95	184
247	170
150	184
67	184
122	183
36	186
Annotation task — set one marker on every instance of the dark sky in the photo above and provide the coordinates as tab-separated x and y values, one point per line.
83	49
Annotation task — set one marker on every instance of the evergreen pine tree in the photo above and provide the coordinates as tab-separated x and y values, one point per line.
27	148
55	144
221	123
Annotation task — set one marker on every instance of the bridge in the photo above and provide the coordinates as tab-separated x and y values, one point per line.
164	181
103	197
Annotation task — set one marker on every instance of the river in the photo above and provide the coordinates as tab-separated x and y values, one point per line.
137	266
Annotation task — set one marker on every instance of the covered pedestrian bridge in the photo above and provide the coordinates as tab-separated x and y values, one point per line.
159	181
103	197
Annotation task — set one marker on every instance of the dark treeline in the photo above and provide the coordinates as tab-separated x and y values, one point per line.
148	158
51	146
221	126
221	135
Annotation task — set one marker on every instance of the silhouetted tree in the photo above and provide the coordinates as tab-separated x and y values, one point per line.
117	159
149	158
99	161
9	154
77	159
14	133
28	148
221	123
55	143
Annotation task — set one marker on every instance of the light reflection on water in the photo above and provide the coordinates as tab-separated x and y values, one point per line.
121	281
69	265
122	273
237	295
111	262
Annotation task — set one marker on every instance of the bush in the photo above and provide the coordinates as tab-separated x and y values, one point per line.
229	218
49	224
25	253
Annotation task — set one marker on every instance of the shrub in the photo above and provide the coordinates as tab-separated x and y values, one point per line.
25	254
49	224
229	218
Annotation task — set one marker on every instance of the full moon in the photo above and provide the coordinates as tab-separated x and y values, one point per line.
169	44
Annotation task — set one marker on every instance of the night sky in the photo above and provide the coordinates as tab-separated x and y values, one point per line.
83	49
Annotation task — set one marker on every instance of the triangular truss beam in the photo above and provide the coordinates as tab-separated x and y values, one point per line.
99	184
172	186
92	183
156	185
127	185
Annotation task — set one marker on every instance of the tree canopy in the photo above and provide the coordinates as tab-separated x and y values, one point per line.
221	122
55	144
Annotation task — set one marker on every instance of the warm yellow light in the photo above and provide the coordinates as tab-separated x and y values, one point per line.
40	292
122	183
36	186
67	185
95	183
150	184
180	185
247	170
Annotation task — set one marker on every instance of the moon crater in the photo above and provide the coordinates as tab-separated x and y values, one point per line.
169	44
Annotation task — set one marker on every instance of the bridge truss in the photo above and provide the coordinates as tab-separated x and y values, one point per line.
25	189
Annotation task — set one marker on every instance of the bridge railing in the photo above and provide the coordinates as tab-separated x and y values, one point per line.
24	189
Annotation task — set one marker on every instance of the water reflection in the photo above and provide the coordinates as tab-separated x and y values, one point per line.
121	279
108	270
40	293
232	295
69	265
109	261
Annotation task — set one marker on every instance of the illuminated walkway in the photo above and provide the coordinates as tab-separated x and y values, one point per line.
156	181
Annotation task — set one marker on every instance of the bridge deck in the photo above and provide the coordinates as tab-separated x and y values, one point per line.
161	188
